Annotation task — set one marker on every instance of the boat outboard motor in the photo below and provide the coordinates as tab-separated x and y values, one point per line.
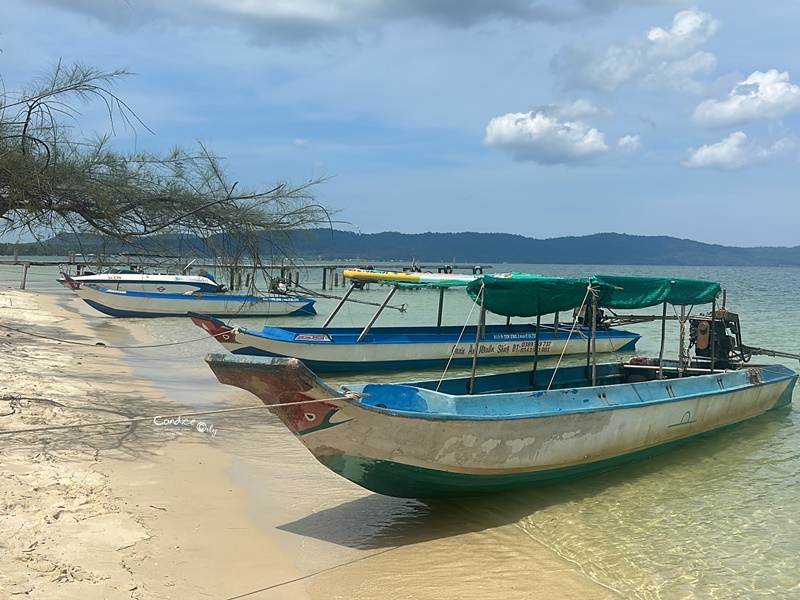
583	316
718	339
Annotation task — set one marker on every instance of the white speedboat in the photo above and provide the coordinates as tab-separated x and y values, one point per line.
154	283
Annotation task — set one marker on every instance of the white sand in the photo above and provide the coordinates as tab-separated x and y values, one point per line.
117	511
111	511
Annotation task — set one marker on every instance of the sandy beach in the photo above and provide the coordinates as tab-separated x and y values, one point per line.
101	501
111	511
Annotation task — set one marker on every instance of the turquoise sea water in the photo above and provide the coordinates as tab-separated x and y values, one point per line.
715	518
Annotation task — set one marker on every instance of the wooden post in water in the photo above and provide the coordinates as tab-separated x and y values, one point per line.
713	336
594	338
536	350
481	321
24	274
588	340
441	308
681	362
663	341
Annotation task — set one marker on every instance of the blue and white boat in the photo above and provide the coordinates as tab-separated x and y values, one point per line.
484	434
123	303
349	349
326	349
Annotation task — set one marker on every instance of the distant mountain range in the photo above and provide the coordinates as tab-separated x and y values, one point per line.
452	248
487	248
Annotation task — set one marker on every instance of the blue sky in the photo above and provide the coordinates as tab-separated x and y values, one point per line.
543	118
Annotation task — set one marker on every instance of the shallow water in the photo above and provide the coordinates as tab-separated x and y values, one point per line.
716	518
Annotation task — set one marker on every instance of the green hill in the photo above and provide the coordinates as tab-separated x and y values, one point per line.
445	248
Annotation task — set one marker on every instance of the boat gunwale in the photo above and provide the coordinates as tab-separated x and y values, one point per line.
351	395
419	330
628	404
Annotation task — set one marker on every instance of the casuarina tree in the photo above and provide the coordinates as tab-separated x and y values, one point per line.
54	178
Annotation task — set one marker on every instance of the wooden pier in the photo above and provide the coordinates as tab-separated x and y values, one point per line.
238	276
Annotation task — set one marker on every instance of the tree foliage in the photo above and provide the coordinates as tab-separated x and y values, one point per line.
55	179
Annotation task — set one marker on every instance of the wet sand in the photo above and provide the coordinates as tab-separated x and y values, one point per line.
111	511
159	510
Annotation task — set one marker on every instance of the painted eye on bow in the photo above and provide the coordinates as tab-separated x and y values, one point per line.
310	416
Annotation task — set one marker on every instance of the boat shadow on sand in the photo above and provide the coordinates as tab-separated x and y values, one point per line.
376	522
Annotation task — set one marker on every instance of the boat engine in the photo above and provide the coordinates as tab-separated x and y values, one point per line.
583	316
717	340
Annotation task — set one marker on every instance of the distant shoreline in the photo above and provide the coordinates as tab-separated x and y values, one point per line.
468	248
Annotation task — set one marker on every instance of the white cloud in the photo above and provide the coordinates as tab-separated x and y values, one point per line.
689	28
680	75
734	152
730	153
544	139
665	58
578	109
760	97
629	144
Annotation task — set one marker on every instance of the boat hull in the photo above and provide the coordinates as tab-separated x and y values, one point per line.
387	348
142	304
409	440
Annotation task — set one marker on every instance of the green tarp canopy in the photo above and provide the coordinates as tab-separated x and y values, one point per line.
522	295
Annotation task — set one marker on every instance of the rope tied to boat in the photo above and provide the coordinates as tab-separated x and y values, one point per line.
572	329
349	394
458	341
104	345
353	395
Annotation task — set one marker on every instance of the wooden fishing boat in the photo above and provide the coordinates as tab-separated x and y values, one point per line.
122	303
349	349
484	434
156	283
328	349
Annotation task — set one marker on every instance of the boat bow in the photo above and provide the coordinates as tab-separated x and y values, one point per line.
298	397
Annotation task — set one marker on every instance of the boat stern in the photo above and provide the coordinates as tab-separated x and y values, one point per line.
306	309
774	373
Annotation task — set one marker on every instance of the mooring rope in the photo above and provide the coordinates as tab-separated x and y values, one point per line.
458	341
571	330
104	345
349	394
